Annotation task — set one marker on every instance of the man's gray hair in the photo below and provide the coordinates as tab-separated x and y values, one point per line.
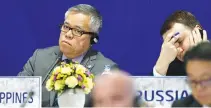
96	18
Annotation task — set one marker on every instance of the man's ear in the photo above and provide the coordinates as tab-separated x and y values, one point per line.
199	27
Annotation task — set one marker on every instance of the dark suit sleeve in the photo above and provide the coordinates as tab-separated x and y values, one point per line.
28	69
176	104
185	102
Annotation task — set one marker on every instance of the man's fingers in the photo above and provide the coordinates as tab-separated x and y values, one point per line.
198	34
176	44
191	41
197	38
174	39
168	38
179	50
194	36
204	35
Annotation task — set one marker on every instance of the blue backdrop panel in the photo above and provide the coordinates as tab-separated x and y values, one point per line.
130	34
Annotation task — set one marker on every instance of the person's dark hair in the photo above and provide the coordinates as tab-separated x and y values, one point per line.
200	52
180	16
89	101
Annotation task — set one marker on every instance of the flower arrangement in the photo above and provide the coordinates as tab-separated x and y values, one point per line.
70	76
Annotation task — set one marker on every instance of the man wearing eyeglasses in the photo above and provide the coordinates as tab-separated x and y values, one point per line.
78	33
198	67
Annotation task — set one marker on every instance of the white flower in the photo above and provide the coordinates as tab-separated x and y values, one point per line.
66	70
71	81
57	69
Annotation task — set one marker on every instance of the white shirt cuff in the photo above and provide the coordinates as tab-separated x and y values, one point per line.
155	73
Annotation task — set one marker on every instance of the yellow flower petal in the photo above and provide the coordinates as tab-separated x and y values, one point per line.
57	70
59	85
90	83
80	70
52	77
87	90
49	85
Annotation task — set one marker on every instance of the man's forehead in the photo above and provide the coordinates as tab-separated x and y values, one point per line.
116	79
177	27
205	70
79	26
204	75
77	19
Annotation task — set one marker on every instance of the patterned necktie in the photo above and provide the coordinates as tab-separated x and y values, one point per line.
66	61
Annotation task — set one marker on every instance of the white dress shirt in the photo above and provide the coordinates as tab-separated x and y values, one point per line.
155	73
77	59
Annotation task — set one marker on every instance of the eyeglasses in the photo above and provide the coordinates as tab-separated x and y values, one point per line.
202	83
75	32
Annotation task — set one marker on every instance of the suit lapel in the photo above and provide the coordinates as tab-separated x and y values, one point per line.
195	104
88	60
52	97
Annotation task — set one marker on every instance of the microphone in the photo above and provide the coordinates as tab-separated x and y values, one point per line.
50	69
31	93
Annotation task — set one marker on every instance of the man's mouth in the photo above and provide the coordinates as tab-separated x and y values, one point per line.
202	96
66	43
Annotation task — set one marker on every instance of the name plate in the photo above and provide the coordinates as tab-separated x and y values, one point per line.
161	91
20	92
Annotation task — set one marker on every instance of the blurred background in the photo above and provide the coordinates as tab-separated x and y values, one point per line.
130	34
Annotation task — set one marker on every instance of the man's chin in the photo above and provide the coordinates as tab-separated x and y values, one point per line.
67	52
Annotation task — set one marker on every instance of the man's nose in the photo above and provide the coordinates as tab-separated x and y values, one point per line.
69	34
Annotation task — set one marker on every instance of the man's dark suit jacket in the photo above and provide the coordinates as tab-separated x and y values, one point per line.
176	68
43	59
186	102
